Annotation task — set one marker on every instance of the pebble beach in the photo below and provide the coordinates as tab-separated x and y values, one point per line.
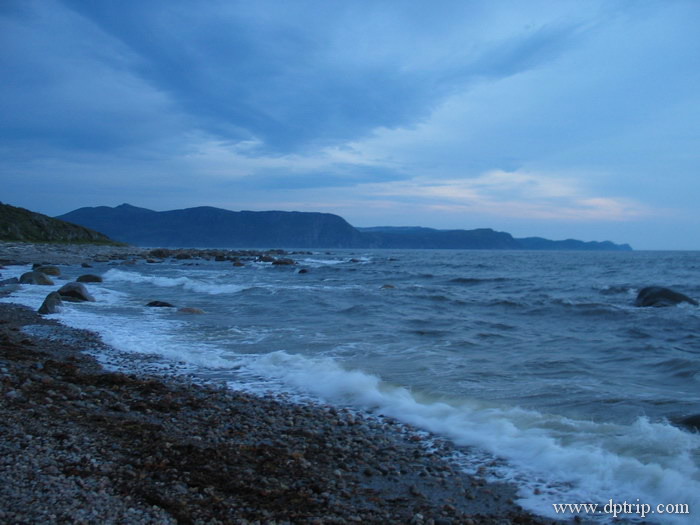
81	444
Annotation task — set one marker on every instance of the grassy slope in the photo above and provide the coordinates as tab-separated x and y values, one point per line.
18	224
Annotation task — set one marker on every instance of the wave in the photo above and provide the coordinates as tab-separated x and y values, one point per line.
474	280
552	458
616	290
187	283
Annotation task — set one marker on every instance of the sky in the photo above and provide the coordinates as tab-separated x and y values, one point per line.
552	118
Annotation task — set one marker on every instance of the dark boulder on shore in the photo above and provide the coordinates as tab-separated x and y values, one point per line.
75	292
51	304
659	296
35	277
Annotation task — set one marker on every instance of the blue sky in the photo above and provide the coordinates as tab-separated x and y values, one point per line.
551	118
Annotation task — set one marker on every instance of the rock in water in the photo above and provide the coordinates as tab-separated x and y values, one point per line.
191	310
160	304
75	292
51	304
49	270
89	278
691	422
35	278
283	262
659	296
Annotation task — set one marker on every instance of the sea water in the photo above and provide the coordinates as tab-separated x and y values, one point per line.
536	364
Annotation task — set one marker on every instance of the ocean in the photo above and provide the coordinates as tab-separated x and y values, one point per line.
537	365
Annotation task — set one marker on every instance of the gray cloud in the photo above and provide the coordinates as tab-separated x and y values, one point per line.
169	103
284	77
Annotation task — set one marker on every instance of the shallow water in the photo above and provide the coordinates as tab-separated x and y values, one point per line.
536	358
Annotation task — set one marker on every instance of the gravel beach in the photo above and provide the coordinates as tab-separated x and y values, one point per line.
84	445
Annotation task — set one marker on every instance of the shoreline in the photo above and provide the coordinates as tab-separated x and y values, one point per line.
84	445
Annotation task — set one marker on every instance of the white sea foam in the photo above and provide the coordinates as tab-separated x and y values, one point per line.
187	283
565	460
322	262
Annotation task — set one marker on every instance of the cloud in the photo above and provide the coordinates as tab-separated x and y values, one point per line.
537	111
516	195
285	77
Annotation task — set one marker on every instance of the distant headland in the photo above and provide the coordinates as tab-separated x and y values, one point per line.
207	227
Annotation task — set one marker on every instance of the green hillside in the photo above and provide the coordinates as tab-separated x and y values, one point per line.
18	224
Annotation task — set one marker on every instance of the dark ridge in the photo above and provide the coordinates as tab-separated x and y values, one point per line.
208	227
19	224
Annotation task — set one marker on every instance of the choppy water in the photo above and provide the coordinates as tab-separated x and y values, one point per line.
536	358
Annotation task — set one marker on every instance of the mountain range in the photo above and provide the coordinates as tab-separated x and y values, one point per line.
207	227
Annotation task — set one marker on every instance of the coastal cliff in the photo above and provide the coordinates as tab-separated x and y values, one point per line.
207	227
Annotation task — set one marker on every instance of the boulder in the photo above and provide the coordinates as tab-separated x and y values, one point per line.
51	304
283	262
48	270
303	270
89	278
658	296
190	310
160	304
12	280
35	277
86	265
160	253
75	292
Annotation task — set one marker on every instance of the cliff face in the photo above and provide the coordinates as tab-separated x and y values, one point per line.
207	227
18	224
428	238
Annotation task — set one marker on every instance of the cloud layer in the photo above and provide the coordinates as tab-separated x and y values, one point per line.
545	118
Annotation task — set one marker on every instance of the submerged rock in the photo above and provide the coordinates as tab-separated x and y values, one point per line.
190	310
659	296
51	304
75	292
35	277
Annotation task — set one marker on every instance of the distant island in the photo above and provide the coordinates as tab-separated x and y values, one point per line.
208	227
